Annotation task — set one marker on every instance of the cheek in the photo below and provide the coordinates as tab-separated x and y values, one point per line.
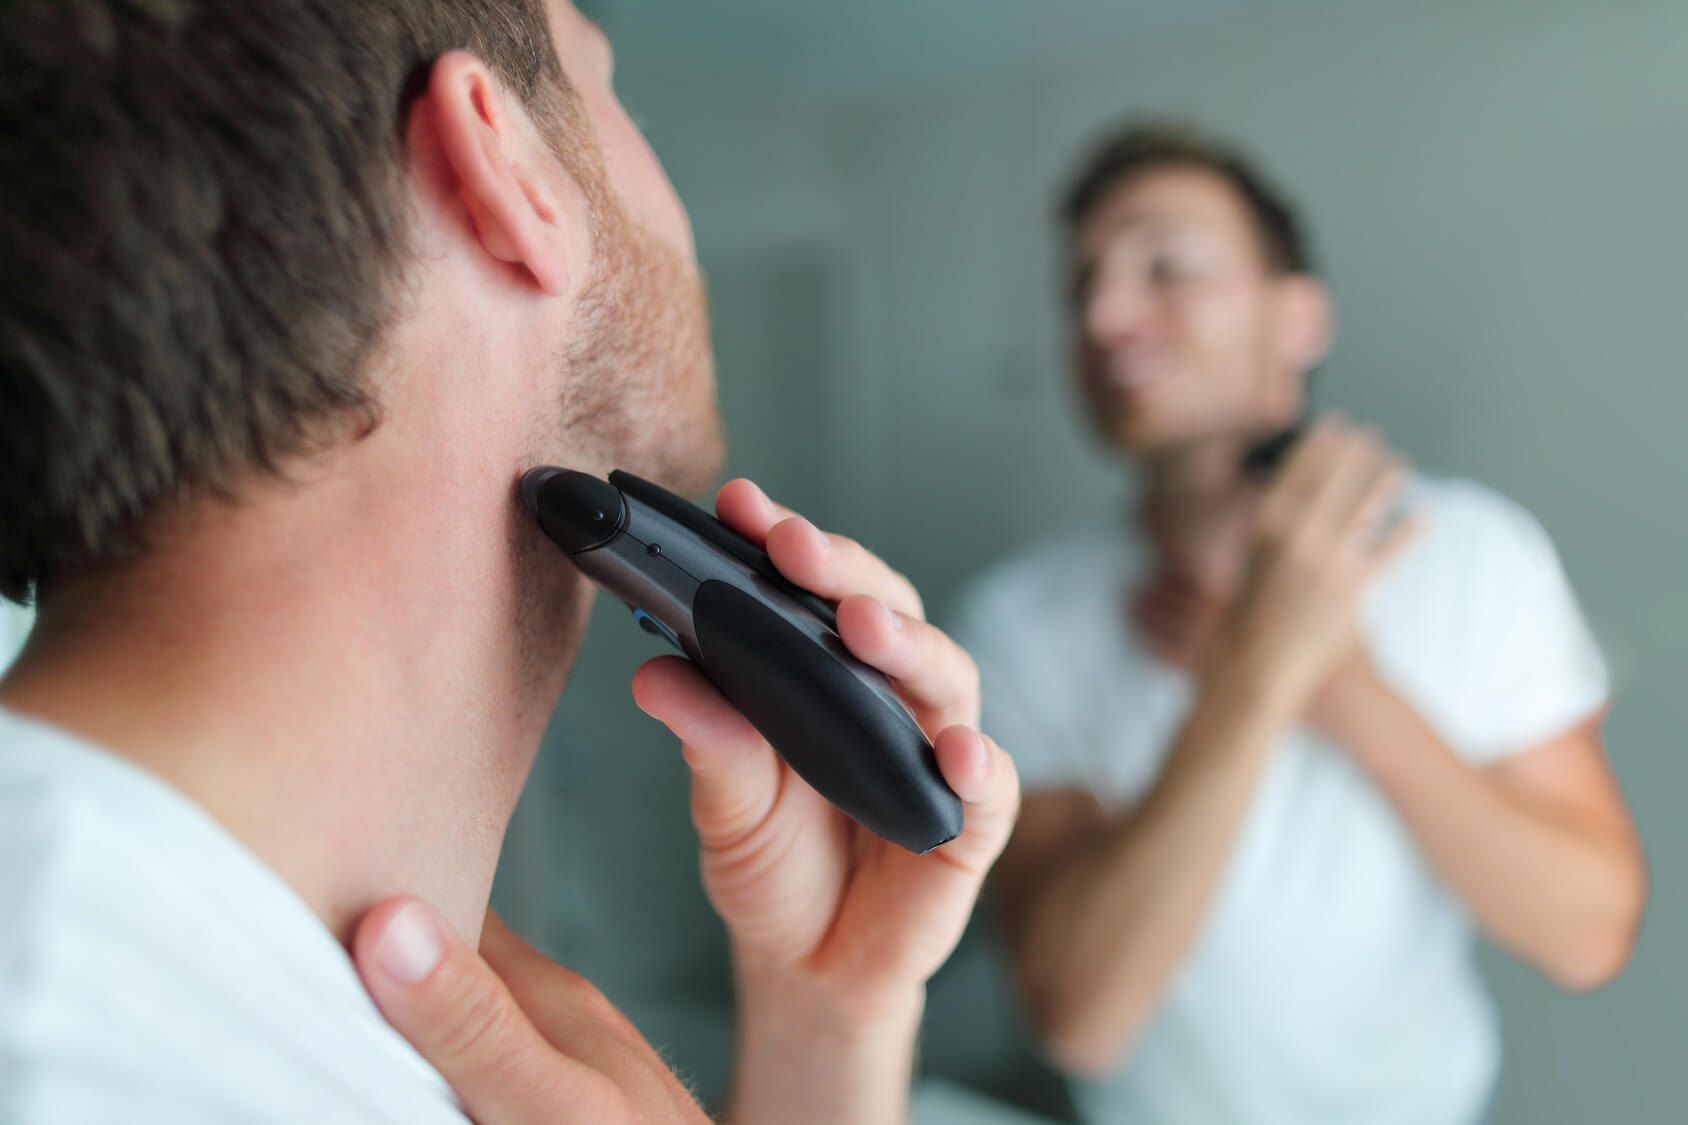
1221	326
637	177
1215	314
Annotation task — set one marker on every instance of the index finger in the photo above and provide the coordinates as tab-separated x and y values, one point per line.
1304	469
744	507
1332	470
830	566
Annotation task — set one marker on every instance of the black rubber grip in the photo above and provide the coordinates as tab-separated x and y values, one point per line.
712	530
858	749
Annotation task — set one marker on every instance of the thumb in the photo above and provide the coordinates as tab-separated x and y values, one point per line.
439	994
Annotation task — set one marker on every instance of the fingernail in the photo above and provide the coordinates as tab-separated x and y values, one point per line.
411	946
896	618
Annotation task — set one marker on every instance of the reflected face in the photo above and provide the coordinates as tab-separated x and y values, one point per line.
639	376
1176	317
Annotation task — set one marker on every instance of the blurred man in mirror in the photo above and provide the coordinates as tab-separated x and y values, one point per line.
1290	731
290	295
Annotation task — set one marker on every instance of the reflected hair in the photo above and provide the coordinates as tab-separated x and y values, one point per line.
1141	147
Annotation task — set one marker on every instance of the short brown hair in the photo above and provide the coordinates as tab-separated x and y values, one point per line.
203	221
1147	146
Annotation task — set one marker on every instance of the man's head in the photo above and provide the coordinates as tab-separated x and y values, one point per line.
1195	308
240	238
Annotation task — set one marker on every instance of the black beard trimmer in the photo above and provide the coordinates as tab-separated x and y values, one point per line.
771	647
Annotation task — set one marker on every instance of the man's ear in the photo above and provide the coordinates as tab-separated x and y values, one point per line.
514	217
1305	323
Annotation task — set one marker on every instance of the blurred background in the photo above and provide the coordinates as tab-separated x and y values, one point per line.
1496	194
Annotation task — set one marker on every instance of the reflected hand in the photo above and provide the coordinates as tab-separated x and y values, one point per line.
808	896
1322	537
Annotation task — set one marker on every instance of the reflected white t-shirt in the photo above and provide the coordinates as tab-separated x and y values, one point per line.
154	971
1333	978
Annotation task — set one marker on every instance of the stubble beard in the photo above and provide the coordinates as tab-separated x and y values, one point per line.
638	394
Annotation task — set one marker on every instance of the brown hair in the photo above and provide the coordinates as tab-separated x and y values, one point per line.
1148	146
202	226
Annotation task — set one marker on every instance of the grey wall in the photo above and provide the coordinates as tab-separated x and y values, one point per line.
1497	191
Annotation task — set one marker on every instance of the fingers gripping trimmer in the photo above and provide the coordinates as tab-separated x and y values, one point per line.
771	648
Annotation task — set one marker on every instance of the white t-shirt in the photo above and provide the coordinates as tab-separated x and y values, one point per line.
1333	978
14	628
154	971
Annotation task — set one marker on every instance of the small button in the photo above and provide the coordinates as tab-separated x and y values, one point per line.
655	628
654	550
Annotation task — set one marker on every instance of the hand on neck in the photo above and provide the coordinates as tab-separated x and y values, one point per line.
351	673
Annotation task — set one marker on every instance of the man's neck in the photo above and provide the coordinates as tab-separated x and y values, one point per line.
1196	477
354	687
1196	511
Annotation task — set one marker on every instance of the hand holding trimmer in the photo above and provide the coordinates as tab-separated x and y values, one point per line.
771	648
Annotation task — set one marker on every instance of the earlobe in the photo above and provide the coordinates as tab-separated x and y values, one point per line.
514	220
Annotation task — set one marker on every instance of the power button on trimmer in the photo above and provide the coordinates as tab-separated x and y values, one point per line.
655	628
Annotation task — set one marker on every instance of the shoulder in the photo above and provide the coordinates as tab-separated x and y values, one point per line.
68	869
1467	511
1479	556
39	819
113	909
1475	535
40	815
1480	629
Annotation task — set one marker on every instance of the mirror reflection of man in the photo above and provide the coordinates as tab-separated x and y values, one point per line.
1283	750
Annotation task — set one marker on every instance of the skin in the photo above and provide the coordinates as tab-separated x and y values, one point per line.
1188	349
352	670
